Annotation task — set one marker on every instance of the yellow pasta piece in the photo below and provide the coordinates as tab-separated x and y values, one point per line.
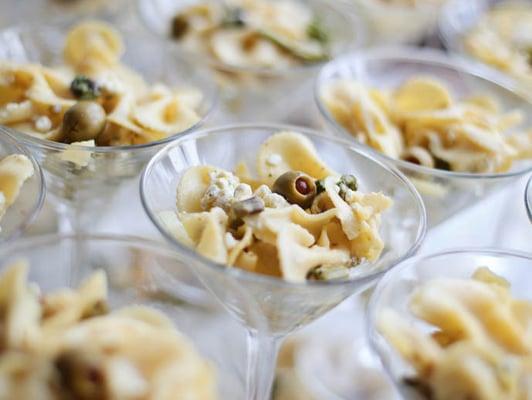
421	94
92	45
289	151
191	188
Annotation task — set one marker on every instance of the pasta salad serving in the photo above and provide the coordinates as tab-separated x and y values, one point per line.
67	345
93	97
297	220
253	33
502	38
474	342
423	123
15	170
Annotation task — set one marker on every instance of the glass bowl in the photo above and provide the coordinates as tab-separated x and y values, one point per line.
29	202
139	271
390	23
251	94
444	192
394	289
528	199
85	186
458	17
270	308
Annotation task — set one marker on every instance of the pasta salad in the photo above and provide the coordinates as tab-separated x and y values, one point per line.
476	342
93	97
421	122
15	169
502	38
297	220
253	33
67	345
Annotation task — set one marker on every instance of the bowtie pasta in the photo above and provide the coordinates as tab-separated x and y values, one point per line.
66	345
15	169
420	122
93	96
298	220
479	346
503	38
253	33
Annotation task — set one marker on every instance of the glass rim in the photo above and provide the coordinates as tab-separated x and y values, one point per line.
528	198
424	56
371	330
242	274
211	100
41	183
353	22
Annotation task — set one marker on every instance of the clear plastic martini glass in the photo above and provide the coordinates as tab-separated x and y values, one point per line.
394	289
83	189
270	308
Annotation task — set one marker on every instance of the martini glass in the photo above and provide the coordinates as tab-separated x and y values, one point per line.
83	189
445	193
139	271
459	17
270	308
394	290
28	204
265	94
528	198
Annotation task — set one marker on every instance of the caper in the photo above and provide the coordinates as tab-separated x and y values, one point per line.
296	187
84	88
350	181
80	374
180	26
83	121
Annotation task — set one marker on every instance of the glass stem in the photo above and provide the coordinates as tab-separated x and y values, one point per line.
262	358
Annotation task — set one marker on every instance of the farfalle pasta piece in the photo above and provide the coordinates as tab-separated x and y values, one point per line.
15	169
93	45
289	151
478	344
266	225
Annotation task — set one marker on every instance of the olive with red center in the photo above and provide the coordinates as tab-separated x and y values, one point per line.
296	187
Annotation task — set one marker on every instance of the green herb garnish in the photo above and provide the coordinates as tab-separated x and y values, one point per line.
320	186
316	31
84	88
350	181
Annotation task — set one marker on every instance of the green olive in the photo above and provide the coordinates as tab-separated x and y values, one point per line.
296	187
81	375
85	120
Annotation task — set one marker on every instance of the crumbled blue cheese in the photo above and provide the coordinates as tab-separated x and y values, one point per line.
224	188
43	124
271	200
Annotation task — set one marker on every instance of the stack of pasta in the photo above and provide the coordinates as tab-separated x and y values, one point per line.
478	345
421	122
93	97
66	345
298	220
